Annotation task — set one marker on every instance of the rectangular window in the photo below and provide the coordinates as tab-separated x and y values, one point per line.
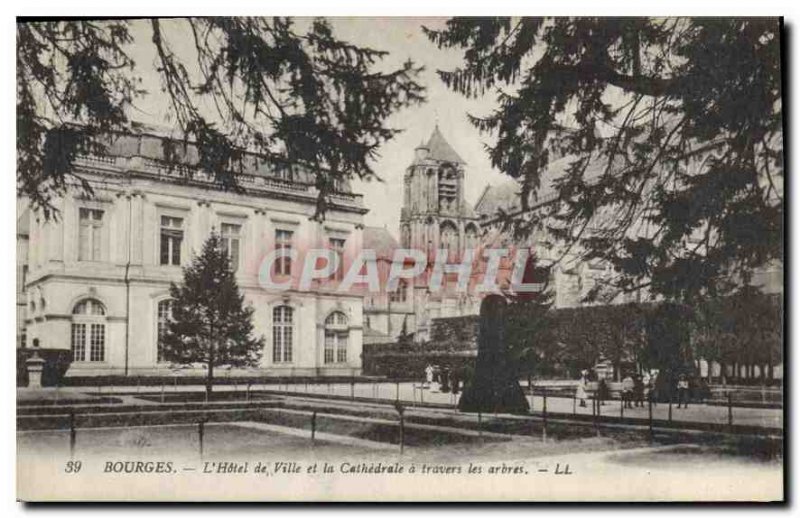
89	232
97	343
341	351
329	347
78	342
283	241
171	240
231	236
337	246
282	329
400	294
163	316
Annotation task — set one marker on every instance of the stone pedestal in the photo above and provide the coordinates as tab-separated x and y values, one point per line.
35	365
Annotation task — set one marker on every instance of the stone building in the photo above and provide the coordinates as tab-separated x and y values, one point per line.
435	215
96	280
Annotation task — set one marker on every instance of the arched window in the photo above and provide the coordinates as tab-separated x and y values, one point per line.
163	314
448	239
471	237
282	334
336	338
88	337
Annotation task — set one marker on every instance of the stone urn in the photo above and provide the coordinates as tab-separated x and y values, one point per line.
35	366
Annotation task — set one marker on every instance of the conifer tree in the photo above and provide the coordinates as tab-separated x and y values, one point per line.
660	138
210	324
528	325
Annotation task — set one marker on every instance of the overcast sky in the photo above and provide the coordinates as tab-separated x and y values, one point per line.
403	39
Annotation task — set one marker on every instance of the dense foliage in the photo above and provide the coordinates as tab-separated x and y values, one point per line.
300	99
671	129
741	330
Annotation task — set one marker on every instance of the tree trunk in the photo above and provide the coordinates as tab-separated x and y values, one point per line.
210	380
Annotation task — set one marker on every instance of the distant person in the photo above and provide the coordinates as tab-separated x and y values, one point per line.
454	380
602	391
683	391
652	388
627	391
638	391
444	379
580	392
429	374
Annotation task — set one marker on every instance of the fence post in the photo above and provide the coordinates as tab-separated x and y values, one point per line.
574	405
397	398
200	429
72	434
400	409
544	403
313	425
352	388
544	416
480	425
650	416
544	406
730	411
621	406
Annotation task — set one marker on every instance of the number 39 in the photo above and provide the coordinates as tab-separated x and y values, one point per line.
73	466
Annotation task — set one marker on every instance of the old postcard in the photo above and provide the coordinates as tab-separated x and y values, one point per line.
400	259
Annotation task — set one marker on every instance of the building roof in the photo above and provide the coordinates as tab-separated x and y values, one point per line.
503	196
373	336
506	195
380	240
440	150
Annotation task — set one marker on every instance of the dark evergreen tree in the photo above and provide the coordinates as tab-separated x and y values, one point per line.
529	328
669	131
210	323
296	98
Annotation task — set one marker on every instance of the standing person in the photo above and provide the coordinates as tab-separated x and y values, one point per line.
652	387
683	391
444	379
627	391
647	392
638	390
429	374
602	391
454	381
580	392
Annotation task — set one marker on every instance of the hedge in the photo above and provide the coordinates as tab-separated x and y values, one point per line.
56	363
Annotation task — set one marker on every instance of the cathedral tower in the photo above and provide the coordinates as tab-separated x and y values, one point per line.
435	214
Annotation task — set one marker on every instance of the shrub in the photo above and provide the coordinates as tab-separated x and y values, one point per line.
56	363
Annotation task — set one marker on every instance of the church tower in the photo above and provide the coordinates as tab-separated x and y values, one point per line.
435	214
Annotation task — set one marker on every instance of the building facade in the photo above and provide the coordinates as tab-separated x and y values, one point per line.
96	280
